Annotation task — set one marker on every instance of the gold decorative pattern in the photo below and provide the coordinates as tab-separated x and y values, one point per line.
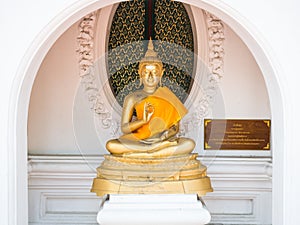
126	47
173	40
206	146
206	122
267	122
172	25
267	147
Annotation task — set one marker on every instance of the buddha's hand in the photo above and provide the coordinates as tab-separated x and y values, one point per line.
148	112
157	138
164	135
150	141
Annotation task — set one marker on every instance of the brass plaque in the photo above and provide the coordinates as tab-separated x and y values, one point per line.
237	134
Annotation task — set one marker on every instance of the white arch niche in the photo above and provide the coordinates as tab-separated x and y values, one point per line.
93	29
28	69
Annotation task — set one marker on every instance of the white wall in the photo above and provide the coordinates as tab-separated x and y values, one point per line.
243	87
50	125
54	125
60	122
59	190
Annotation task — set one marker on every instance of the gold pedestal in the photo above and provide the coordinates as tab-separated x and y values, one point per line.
171	175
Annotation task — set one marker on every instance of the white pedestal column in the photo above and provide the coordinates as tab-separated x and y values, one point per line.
153	209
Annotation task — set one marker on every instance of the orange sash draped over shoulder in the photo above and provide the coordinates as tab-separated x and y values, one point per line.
168	110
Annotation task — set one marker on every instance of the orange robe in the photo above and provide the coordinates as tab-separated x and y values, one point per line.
168	110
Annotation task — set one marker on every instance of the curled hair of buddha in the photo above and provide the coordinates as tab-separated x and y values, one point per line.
150	58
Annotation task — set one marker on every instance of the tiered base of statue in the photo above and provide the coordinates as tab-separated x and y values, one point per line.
170	175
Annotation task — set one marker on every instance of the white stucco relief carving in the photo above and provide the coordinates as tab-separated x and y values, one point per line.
215	32
87	70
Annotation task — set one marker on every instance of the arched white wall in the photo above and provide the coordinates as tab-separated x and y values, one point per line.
13	161
50	128
47	22
243	87
54	113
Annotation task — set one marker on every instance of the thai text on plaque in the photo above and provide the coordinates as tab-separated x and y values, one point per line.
237	134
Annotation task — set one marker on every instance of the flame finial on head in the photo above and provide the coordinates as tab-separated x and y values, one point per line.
150	57
150	51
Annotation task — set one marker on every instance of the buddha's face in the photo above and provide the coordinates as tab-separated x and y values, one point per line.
151	74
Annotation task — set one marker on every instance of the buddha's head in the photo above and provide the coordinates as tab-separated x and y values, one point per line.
150	65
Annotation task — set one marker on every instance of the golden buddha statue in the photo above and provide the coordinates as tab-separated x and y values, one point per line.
149	157
158	110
